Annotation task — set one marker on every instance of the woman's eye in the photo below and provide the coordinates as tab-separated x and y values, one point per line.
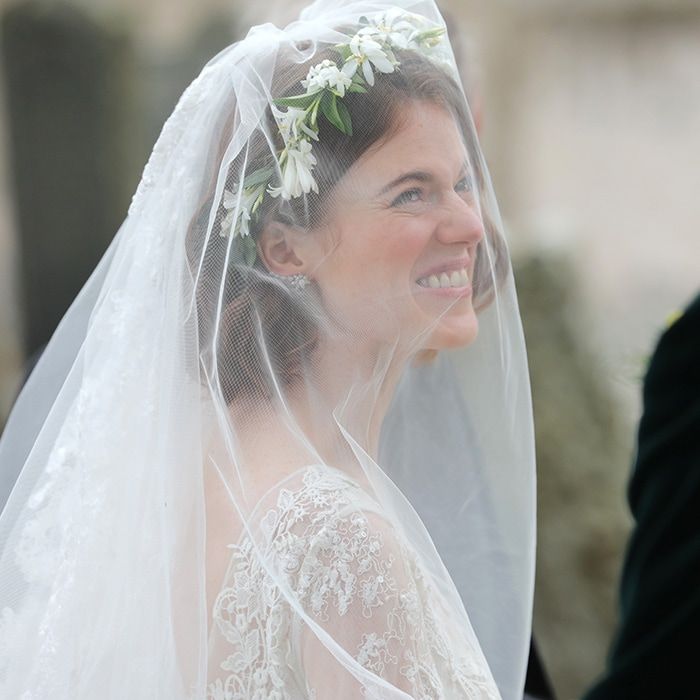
464	185
412	195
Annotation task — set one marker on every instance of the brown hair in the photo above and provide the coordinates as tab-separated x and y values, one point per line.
261	322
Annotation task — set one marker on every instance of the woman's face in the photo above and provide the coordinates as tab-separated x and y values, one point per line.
405	223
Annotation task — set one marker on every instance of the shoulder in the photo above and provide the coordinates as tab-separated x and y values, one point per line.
314	498
335	545
674	363
320	500
668	438
356	574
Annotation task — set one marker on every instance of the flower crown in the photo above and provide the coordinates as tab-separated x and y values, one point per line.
370	49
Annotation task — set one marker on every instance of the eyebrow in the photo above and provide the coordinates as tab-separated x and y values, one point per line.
419	175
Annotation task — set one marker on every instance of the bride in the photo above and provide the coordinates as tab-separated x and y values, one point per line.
289	452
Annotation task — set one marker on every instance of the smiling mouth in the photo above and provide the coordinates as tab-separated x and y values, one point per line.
445	280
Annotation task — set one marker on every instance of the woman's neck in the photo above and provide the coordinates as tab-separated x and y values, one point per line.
346	392
351	391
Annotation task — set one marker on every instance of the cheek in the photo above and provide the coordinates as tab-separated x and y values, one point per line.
371	271
398	249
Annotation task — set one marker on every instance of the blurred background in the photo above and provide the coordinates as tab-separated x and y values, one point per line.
590	115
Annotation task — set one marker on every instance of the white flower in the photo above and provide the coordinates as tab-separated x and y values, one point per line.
393	26
232	225
293	126
326	75
405	30
366	50
297	163
371	48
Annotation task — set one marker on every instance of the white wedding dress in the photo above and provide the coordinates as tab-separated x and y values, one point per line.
360	581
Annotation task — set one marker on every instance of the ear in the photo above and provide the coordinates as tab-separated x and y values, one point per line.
284	249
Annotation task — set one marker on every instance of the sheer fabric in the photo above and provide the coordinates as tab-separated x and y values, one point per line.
281	444
359	580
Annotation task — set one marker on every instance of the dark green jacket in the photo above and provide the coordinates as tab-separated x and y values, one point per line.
656	653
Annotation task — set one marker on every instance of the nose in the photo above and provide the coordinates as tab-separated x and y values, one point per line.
460	220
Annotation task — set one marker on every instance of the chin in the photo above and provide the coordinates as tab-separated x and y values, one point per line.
453	333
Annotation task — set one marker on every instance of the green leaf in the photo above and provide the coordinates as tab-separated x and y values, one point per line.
249	250
430	37
344	51
300	101
356	87
313	117
358	79
344	116
258	199
329	107
257	177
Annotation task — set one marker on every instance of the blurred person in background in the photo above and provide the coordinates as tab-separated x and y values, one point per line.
654	654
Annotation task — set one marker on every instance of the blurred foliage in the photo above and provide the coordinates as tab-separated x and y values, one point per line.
84	110
583	458
69	89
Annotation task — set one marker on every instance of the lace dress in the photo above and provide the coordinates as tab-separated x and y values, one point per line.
361	583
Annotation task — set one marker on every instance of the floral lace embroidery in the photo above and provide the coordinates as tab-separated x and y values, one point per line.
338	560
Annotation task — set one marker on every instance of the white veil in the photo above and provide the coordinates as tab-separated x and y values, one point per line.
196	383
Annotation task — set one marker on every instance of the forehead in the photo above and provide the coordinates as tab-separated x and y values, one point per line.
426	138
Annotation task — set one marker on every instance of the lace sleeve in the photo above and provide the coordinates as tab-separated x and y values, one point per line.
362	583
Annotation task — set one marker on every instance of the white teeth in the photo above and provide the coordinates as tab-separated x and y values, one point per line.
457	278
